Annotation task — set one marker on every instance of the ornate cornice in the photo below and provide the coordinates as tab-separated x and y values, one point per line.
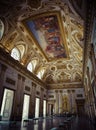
67	86
60	71
5	57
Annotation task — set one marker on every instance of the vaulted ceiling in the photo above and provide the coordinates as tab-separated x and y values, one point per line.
49	32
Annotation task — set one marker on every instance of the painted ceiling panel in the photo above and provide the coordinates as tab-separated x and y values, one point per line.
48	33
52	33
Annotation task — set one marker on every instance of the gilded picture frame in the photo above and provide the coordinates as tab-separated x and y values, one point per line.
47	31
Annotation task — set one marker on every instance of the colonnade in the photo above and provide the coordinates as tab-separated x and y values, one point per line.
65	102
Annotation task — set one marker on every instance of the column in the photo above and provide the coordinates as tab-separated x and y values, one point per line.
32	100
69	100
2	76
73	101
22	96
91	95
57	102
31	103
41	102
49	109
16	102
18	99
60	102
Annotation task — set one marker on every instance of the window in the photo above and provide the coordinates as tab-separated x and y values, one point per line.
29	67
34	62
15	54
40	74
1	29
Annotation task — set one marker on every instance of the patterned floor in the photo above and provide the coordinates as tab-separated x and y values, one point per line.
57	123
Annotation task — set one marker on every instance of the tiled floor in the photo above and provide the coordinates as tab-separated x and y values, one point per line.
48	123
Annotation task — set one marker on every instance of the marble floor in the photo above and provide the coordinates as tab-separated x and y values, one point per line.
77	123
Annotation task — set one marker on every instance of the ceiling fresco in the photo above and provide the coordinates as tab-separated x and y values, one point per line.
47	31
50	33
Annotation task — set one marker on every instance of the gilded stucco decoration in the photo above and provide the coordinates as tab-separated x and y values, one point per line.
64	68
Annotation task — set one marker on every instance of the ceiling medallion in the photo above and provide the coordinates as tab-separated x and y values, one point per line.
53	68
47	32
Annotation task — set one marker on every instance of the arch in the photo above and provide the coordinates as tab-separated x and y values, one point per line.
32	65
21	48
41	73
34	62
15	53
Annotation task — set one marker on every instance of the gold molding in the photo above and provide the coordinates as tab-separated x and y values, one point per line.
61	27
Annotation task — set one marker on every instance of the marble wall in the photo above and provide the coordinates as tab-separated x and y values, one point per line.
64	100
21	84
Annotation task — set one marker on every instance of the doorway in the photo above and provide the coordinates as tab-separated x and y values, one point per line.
80	107
50	109
37	107
26	107
44	108
7	104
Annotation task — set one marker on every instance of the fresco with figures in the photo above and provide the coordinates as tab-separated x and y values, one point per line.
46	32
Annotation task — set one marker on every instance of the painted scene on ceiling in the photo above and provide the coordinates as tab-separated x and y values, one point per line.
47	34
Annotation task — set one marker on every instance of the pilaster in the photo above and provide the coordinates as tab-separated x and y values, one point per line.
2	77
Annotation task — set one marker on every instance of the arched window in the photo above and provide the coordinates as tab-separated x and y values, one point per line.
29	67
40	74
34	62
15	53
1	29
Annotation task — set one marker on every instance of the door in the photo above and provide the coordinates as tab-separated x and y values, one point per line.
44	108
26	107
37	107
80	107
7	104
50	109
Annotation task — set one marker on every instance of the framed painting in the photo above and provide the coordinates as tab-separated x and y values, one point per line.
47	31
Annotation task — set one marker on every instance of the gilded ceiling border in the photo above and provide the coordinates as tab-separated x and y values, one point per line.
62	32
